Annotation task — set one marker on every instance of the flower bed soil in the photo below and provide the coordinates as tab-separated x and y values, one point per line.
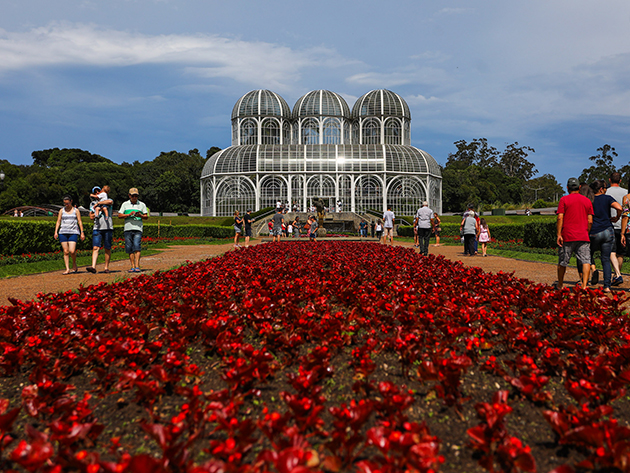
334	356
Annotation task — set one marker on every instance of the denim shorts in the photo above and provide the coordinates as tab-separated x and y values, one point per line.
133	238
102	239
66	237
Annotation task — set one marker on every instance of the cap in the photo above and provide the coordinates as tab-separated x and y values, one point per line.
425	204
96	188
133	191
249	210
573	182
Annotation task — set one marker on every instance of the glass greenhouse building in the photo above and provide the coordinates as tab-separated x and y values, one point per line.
362	157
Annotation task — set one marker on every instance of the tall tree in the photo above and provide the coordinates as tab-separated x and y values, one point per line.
603	167
513	162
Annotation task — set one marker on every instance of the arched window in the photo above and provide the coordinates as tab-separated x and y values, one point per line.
286	133
371	131
405	194
235	193
272	190
310	131
368	194
249	132
270	132
392	132
322	187
332	131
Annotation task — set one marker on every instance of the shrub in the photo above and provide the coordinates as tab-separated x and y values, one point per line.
540	234
20	237
543	204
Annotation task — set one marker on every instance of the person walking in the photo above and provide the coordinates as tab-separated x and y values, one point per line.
238	228
312	231
437	229
102	235
247	220
372	227
296	227
469	228
379	229
575	218
484	235
134	212
616	257
278	221
423	222
68	230
602	232
388	224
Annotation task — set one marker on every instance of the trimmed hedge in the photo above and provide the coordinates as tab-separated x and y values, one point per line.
500	231
534	234
23	237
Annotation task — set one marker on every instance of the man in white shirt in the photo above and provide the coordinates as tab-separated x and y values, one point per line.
423	221
388	224
616	257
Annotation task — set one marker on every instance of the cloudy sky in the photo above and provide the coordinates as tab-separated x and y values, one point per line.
128	79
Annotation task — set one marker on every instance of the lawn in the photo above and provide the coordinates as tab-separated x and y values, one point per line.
331	356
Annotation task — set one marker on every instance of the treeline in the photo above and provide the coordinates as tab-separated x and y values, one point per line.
480	174
169	183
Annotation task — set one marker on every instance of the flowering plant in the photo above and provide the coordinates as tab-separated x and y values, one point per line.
330	356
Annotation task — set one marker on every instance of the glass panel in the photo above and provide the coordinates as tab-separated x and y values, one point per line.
249	132
310	131
392	132
332	131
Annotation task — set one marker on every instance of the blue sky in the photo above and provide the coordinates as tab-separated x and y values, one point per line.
128	79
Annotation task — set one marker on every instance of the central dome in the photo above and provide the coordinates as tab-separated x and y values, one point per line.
321	103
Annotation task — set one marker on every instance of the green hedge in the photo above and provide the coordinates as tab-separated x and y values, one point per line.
23	237
500	231
540	235
535	234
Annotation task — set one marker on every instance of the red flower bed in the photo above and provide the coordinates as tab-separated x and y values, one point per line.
334	356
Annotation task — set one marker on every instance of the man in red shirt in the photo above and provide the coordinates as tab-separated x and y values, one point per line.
575	218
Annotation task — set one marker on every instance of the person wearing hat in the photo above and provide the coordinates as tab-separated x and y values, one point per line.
575	218
102	234
423	222
247	220
134	212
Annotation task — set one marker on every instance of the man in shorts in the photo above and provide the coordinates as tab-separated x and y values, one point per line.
102	236
134	212
278	220
575	218
247	220
388	224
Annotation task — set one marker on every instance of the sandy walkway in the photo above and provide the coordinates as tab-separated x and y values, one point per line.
27	287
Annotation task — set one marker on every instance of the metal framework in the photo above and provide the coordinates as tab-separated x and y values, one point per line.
361	158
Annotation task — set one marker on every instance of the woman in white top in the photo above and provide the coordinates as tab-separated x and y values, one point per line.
68	230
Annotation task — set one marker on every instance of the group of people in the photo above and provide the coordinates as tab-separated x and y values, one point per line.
69	228
593	218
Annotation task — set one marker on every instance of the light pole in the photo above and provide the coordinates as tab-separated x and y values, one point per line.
2	176
535	191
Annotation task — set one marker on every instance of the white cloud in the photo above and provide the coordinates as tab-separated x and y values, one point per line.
454	11
424	76
421	99
207	55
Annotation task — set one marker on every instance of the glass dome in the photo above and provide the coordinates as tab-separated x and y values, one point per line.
381	103
261	103
321	103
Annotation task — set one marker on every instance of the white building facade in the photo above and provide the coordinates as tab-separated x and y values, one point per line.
321	149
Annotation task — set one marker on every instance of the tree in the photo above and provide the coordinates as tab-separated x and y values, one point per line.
604	165
545	187
212	151
477	173
514	164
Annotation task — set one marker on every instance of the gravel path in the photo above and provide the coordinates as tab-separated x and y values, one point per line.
27	287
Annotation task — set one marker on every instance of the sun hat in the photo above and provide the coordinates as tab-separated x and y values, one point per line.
133	191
